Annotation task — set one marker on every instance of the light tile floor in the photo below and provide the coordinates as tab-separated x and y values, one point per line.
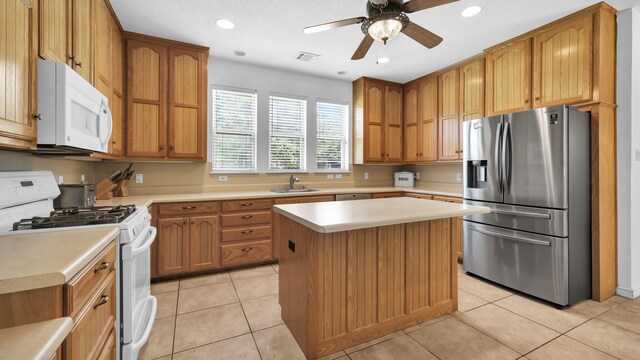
235	315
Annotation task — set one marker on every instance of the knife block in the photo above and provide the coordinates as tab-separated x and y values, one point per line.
104	189
122	189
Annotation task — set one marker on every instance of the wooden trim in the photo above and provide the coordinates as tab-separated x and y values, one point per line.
30	306
128	35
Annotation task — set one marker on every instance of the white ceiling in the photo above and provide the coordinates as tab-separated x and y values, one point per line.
270	31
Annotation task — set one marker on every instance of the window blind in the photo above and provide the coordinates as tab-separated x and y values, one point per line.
234	130
287	131
332	133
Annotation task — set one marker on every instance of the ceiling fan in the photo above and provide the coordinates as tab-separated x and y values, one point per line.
387	18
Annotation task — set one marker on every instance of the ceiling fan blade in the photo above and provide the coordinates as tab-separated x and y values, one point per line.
333	25
422	35
417	5
363	48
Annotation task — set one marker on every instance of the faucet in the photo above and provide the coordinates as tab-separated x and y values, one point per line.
292	181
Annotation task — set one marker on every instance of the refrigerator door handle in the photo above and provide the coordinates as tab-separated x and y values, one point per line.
498	168
521	213
511	237
506	151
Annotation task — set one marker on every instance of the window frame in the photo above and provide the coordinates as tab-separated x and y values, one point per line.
347	138
305	136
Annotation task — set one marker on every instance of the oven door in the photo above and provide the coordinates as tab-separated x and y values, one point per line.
138	306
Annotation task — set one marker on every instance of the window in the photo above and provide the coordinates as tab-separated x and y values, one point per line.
287	130
234	130
332	136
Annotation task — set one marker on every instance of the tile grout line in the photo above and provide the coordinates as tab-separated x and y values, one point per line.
589	345
426	348
247	320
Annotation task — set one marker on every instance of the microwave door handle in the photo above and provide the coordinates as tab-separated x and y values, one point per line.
147	244
498	169
107	116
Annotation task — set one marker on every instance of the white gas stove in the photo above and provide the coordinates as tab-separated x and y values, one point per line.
26	206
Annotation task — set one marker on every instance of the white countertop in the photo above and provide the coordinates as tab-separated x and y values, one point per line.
37	341
41	259
337	216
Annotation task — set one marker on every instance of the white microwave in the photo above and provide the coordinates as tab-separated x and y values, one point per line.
73	116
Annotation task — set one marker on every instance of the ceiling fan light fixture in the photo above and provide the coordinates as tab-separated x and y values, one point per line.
385	30
471	11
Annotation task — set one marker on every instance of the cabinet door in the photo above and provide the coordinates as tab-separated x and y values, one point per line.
18	52
187	104
116	103
173	246
509	78
472	90
428	120
82	42
103	65
146	99
449	124
562	63
411	150
204	243
53	30
374	121
393	123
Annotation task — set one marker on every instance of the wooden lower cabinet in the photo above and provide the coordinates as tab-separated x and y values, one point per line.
419	196
204	243
109	348
173	246
457	224
246	252
387	195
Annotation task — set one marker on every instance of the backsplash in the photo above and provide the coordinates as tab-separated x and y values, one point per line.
438	174
69	169
164	178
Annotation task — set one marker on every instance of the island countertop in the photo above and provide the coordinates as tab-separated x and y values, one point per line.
329	217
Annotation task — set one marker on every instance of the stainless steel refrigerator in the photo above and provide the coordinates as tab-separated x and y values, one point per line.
532	168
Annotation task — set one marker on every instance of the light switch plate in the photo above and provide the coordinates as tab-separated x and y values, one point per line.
366	176
338	176
458	177
329	176
60	180
139	178
222	178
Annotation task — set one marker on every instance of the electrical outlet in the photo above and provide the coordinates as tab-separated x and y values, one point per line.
82	179
329	176
338	176
139	178
637	154
222	178
458	177
60	180
366	176
417	176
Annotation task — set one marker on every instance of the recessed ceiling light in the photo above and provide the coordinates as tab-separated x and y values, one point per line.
342	72
240	53
471	11
225	24
383	60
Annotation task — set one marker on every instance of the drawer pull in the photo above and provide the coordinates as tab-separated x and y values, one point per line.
246	249
188	207
104	300
104	265
246	232
247	217
246	204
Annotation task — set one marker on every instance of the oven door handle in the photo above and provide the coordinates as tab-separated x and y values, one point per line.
147	244
145	336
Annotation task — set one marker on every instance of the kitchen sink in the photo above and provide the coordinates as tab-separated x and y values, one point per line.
287	191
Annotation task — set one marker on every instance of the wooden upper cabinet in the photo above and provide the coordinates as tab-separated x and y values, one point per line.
146	99
81	57
374	121
187	103
103	66
393	123
509	78
562	63
428	119
54	19
116	102
18	53
449	122
173	246
411	123
204	243
472	90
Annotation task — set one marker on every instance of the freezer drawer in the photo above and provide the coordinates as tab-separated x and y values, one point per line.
542	221
534	264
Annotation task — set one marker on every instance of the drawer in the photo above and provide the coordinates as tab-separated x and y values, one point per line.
246	253
109	349
387	195
82	287
419	196
246	205
448	199
94	323
246	233
304	199
188	208
263	217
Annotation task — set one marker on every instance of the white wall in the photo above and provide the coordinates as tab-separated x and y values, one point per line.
266	80
628	143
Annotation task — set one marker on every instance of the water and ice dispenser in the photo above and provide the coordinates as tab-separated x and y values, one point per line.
476	174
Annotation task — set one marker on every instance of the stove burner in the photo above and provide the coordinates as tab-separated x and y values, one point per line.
77	217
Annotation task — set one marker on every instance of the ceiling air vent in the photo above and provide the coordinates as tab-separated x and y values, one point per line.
307	57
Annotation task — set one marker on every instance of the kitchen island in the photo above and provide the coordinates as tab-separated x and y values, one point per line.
356	270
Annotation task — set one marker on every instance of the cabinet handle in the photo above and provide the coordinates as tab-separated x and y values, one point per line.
537	98
193	223
79	65
161	147
104	265
246	217
247	204
186	222
246	232
171	147
38	116
526	101
113	142
104	300
188	207
420	154
246	249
